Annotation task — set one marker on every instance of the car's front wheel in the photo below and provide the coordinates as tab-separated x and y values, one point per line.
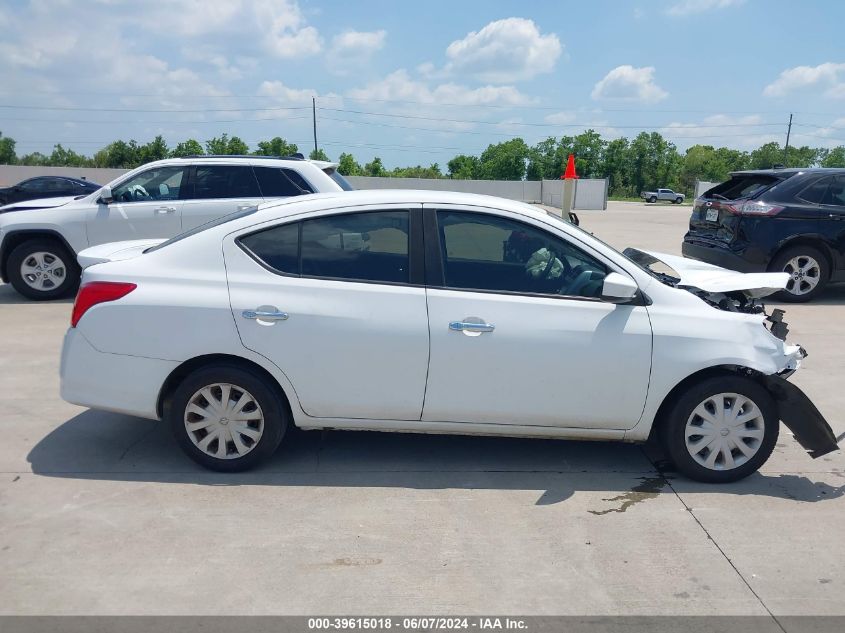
42	269
722	429
678	200
227	418
808	272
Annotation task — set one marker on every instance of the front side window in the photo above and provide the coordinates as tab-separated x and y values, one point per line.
369	246
278	182
159	183
224	181
34	185
487	252
816	191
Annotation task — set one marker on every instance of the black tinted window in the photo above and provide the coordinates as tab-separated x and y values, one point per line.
36	184
225	181
835	194
370	246
741	186
815	192
281	183
278	247
486	252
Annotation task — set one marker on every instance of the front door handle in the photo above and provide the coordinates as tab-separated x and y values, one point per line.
265	315
469	326
163	210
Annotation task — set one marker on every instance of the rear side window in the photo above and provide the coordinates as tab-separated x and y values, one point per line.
225	181
370	246
742	186
281	183
335	175
816	191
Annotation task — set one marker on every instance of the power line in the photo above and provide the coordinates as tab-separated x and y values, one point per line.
204	110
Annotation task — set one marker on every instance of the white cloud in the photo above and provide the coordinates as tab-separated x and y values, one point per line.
690	7
504	51
358	43
560	118
629	84
829	75
723	130
282	94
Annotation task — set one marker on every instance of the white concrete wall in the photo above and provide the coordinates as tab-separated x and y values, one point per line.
702	185
524	190
590	194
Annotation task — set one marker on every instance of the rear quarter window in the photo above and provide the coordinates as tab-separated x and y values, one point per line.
742	186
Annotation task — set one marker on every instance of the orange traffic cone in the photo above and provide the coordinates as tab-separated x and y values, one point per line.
570	168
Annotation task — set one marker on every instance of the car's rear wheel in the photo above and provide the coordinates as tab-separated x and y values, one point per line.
722	429
652	199
808	272
227	418
42	269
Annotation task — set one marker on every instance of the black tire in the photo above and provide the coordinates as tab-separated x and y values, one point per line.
781	263
652	199
276	417
678	200
674	430
58	286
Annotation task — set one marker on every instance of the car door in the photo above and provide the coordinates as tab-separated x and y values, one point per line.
217	190
31	189
338	304
518	335
832	223
146	205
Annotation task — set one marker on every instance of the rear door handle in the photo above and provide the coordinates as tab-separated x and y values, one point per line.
469	326
261	315
836	216
163	210
244	207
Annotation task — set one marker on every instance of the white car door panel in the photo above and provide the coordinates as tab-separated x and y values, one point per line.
350	349
547	361
217	190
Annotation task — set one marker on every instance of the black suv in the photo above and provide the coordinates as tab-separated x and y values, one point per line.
789	220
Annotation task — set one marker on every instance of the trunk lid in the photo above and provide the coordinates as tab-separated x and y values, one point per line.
114	251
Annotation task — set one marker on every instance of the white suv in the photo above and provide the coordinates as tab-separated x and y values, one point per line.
39	243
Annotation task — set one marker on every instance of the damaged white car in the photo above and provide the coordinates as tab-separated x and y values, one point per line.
432	312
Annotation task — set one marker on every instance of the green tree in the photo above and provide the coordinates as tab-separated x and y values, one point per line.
62	157
834	157
615	167
589	148
702	162
432	171
154	150
766	156
277	146
504	161
375	168
463	167
653	162
7	150
223	145
318	154
190	147
348	166
35	159
119	154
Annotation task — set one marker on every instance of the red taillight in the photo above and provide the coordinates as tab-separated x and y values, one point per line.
95	292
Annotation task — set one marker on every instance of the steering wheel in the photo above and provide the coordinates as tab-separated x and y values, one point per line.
547	271
139	193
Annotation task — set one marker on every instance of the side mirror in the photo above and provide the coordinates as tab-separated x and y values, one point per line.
105	195
618	288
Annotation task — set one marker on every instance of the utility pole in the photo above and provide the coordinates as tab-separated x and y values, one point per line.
786	147
314	119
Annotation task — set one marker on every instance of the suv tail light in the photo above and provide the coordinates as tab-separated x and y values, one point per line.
754	207
95	292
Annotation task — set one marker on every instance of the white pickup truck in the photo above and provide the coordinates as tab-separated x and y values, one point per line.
662	194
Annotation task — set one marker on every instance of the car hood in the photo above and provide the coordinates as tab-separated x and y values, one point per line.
40	203
115	251
695	274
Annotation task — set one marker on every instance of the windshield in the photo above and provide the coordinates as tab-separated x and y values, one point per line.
741	186
335	175
203	227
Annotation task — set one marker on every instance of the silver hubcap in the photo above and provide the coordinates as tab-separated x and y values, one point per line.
224	421
724	431
804	274
43	271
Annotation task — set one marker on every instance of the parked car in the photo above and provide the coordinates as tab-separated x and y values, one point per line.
431	312
42	187
784	220
158	200
662	194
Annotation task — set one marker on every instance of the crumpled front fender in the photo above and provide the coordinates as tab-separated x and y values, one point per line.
801	416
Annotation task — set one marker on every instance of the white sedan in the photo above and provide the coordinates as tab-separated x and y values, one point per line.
432	312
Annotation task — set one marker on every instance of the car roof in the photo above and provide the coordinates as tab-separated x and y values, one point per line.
249	159
360	197
790	171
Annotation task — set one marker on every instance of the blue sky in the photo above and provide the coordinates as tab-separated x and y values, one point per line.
417	83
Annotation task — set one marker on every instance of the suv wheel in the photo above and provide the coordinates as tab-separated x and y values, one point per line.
42	269
678	200
722	429
808	272
652	199
227	418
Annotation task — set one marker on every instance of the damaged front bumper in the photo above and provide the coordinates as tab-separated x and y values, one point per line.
801	416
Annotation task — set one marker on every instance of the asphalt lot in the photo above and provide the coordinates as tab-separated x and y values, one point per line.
101	513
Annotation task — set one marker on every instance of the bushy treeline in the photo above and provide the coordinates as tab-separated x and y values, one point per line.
646	161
